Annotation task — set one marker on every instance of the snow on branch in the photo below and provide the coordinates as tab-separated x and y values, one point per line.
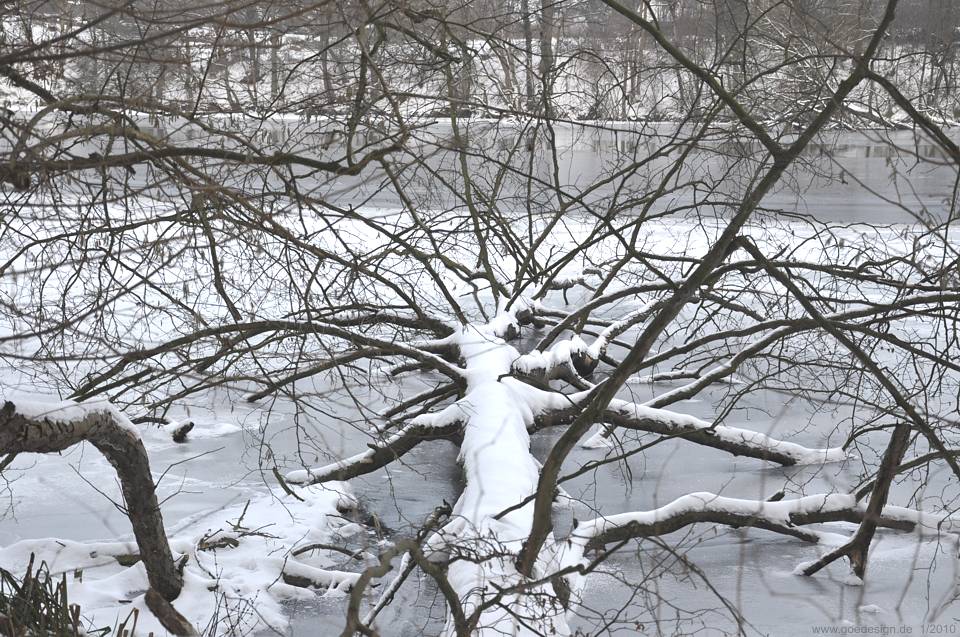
570	356
739	442
421	429
45	427
555	409
586	309
573	356
784	516
306	576
564	283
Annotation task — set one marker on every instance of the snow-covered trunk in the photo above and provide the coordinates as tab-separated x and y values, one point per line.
500	473
493	519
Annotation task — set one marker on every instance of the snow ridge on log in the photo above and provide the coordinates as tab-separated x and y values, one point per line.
499	471
427	427
783	516
741	442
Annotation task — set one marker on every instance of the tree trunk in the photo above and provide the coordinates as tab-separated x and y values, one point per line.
528	51
275	44
546	54
325	69
253	50
51	428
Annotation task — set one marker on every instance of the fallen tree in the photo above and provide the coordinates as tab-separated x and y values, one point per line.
497	302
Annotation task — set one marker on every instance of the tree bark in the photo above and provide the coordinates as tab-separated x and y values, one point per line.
546	54
54	429
528	52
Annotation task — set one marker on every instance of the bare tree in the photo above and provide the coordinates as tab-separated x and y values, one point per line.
312	241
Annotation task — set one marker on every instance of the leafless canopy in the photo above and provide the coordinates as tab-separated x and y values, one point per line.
484	222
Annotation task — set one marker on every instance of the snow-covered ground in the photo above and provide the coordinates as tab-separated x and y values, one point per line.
239	561
206	488
254	551
206	483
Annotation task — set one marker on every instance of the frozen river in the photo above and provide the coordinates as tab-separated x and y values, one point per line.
234	445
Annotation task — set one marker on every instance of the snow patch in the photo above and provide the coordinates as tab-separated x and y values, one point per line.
244	576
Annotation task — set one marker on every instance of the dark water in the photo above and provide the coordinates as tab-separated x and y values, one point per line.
845	177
